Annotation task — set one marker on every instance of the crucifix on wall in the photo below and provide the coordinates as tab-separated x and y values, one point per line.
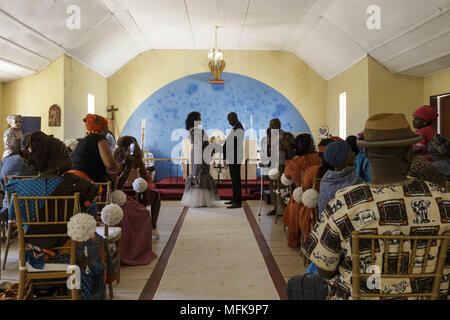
111	120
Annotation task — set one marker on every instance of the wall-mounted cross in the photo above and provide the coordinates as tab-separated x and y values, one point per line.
112	110
111	125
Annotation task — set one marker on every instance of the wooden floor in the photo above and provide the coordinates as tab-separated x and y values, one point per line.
135	278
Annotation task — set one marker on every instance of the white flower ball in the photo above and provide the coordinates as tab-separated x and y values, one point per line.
81	227
274	174
112	214
286	181
140	185
118	197
310	198
298	194
71	143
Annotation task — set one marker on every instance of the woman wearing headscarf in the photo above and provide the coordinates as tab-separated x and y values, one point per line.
13	132
92	156
305	158
423	119
340	157
129	158
311	175
50	158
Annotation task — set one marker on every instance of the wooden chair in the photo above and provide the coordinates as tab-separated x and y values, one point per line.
11	235
52	273
112	235
410	266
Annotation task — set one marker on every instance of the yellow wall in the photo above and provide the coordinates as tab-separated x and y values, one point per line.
281	70
80	80
355	82
391	92
34	95
436	84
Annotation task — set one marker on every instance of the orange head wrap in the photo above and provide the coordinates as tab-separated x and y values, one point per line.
95	123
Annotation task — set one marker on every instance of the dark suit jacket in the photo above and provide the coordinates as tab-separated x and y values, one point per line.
238	145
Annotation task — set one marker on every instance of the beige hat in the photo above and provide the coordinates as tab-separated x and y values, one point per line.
388	130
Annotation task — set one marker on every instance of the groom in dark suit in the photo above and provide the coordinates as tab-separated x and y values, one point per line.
233	158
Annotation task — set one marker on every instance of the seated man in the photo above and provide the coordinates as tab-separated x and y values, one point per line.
389	205
12	165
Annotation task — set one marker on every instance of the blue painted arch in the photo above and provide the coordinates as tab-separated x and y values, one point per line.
166	110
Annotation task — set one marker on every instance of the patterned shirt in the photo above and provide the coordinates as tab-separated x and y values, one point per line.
413	208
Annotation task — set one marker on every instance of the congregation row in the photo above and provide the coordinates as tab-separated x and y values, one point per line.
56	168
387	181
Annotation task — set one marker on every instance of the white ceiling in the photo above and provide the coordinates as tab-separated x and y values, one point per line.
330	35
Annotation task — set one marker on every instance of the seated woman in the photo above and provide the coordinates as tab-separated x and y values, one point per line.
129	157
309	176
306	157
14	124
12	165
50	158
92	156
340	157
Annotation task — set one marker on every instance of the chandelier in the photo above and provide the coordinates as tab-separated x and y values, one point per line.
216	62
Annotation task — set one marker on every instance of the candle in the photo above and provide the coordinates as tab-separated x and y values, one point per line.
143	134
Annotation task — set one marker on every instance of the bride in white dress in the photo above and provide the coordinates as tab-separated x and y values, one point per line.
200	189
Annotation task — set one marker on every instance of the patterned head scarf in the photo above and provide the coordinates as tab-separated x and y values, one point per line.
95	123
41	151
439	145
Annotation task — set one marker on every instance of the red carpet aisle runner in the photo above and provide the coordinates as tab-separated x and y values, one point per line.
173	188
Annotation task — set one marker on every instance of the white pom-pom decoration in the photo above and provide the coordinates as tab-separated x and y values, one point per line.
71	143
81	227
274	174
298	194
112	214
310	198
140	185
286	181
118	197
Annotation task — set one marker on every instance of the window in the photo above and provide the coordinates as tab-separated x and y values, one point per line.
91	103
343	115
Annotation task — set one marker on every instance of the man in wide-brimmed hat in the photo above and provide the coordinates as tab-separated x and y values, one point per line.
393	203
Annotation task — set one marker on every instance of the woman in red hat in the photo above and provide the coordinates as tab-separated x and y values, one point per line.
423	120
92	156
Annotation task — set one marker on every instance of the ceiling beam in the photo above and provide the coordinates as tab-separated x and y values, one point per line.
425	61
28	28
18	46
190	23
415	46
407	31
243	23
18	65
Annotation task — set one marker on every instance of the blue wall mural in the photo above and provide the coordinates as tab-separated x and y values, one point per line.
166	110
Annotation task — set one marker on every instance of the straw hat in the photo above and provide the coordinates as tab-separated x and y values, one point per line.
388	130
